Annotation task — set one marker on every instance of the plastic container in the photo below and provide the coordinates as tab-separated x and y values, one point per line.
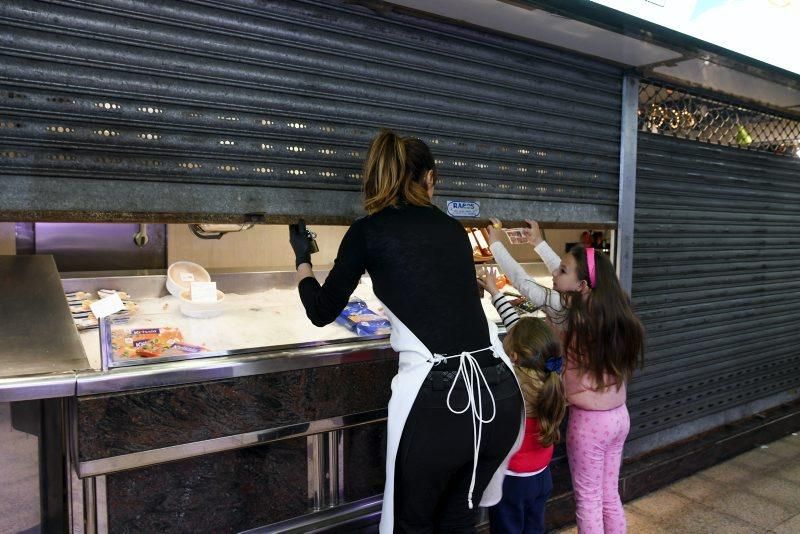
181	274
201	310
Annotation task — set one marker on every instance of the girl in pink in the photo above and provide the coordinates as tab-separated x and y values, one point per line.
604	342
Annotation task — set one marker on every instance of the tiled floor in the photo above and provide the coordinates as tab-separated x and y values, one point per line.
19	477
756	492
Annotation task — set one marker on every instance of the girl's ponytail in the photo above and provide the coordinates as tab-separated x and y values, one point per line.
551	407
551	404
533	345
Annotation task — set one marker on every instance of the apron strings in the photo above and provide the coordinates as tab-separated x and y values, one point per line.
471	373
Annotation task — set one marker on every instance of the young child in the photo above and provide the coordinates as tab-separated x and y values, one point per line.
604	343
536	352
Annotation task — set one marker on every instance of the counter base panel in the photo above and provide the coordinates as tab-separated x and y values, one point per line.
124	423
227	492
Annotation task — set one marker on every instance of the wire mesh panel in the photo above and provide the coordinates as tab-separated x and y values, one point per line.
676	112
715	281
135	107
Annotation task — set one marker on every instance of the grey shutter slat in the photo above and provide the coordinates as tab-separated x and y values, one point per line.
714	280
233	107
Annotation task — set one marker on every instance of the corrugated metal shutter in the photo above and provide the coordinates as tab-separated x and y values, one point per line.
249	105
715	280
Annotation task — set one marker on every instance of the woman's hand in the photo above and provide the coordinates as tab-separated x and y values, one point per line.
534	234
495	231
488	280
301	243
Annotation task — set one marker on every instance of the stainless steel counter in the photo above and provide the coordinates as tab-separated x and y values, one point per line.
40	351
43	356
231	366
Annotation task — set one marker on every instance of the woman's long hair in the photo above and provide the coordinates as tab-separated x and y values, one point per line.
603	335
531	342
395	170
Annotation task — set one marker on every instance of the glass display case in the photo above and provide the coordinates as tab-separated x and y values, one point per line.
260	312
163	329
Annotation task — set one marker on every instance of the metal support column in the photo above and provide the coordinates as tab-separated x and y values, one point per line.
627	181
325	470
52	472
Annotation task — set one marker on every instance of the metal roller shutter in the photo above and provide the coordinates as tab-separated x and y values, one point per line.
715	280
131	109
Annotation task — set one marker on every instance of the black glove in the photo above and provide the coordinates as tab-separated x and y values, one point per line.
301	243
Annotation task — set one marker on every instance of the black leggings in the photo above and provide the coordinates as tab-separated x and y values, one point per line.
434	460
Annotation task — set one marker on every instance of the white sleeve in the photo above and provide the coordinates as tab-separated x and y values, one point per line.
541	297
548	255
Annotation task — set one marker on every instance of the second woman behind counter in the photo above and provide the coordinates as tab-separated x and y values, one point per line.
445	454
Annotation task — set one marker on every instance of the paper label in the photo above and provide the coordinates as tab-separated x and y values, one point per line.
187	277
107	306
204	292
463	208
185	347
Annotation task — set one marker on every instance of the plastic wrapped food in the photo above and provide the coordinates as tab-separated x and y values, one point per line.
150	343
80	303
517	236
360	319
524	305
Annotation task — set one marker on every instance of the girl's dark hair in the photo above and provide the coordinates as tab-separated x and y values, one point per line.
531	342
395	170
603	334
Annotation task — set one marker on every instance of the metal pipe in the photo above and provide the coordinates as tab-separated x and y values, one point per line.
89	506
315	472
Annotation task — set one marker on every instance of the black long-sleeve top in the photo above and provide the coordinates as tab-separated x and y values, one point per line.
420	263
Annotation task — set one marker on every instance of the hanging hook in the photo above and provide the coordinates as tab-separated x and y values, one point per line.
140	237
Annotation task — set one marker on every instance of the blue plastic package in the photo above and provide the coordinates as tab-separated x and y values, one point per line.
360	319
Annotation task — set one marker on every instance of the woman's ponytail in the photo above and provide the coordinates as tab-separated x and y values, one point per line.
394	170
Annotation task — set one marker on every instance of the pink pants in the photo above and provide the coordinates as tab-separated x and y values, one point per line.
594	450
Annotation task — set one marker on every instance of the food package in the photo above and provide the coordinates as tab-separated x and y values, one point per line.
80	302
150	343
523	305
360	319
517	236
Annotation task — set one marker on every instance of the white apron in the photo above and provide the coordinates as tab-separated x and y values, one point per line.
416	361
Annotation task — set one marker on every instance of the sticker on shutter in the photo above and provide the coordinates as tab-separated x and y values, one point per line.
462	208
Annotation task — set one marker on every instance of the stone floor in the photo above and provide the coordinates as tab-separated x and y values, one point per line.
19	477
756	492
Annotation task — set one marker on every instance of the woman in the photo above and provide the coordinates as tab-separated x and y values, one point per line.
456	411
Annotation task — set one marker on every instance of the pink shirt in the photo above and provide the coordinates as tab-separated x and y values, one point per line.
582	391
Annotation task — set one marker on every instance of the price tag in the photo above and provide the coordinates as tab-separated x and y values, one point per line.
204	292
187	277
107	306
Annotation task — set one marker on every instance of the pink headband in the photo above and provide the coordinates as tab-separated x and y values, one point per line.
590	263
